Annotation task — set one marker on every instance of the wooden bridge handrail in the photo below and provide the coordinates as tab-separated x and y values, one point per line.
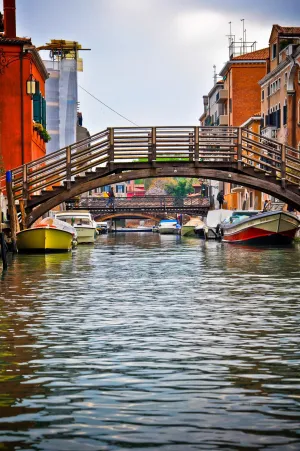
153	145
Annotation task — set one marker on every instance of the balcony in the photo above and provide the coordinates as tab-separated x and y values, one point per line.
223	119
269	132
222	96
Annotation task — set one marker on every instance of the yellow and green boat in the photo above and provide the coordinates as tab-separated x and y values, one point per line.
50	235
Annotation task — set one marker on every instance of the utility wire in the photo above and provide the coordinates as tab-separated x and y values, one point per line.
98	100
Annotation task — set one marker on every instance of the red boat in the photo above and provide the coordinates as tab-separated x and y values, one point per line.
274	227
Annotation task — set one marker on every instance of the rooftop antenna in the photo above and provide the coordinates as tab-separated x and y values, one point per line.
243	39
231	39
215	74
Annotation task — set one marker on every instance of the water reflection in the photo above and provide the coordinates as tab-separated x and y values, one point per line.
154	342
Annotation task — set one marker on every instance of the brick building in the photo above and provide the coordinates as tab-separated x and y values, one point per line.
22	96
241	94
280	87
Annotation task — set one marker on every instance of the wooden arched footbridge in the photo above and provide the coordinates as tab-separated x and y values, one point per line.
229	154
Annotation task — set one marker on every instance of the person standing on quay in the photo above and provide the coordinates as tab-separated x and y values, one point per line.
220	199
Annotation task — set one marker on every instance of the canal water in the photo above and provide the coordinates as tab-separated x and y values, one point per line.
151	342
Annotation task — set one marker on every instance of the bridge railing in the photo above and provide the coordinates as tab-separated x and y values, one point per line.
271	156
157	145
144	202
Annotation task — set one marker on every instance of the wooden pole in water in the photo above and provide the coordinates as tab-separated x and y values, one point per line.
3	250
2	240
12	211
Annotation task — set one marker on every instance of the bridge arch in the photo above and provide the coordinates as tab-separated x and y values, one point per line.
259	182
105	217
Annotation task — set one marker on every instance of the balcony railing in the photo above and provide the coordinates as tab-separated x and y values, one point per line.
223	119
222	96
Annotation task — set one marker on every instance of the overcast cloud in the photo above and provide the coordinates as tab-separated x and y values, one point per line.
151	60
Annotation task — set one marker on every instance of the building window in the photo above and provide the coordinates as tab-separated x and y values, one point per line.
298	112
285	113
268	91
262	95
103	189
279	83
285	78
120	189
278	116
274	51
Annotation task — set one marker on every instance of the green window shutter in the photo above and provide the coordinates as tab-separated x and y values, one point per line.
37	108
44	112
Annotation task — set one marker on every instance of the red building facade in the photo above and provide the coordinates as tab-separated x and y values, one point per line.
23	134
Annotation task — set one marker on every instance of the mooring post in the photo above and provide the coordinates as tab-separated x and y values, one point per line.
3	250
23	213
12	211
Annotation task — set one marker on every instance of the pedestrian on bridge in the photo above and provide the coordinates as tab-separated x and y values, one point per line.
111	198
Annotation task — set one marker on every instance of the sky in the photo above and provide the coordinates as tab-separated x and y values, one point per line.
150	60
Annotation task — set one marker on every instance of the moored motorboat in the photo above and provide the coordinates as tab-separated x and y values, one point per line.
49	235
209	229
188	229
169	226
274	227
82	221
101	227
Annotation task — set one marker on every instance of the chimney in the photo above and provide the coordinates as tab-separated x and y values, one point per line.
9	7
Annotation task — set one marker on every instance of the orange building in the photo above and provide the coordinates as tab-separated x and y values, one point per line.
241	93
280	88
241	97
22	91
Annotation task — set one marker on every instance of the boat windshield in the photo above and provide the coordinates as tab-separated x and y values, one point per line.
75	221
236	218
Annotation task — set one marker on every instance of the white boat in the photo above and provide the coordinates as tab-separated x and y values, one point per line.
188	229
82	221
272	227
102	227
169	226
209	230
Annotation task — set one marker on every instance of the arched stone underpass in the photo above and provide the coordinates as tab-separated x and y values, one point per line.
259	181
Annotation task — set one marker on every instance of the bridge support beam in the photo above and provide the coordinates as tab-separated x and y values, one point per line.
269	187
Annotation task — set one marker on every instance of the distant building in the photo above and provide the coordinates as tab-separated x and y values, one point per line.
62	92
213	108
22	96
280	87
241	94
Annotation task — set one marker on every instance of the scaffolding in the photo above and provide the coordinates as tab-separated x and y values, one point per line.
62	91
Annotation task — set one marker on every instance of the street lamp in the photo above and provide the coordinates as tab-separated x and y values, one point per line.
31	85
